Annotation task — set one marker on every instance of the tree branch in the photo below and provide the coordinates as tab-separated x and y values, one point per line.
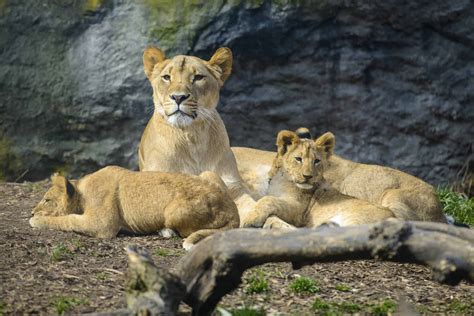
215	266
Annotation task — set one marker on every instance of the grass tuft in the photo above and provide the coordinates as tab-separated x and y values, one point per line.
257	283
162	252
331	308
303	285
383	308
343	287
246	311
457	205
63	304
459	307
60	252
101	276
2	308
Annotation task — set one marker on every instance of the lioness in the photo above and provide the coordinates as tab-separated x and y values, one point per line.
296	178
185	133
406	196
113	198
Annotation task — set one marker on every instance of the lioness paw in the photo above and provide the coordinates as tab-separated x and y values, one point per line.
35	221
187	245
167	233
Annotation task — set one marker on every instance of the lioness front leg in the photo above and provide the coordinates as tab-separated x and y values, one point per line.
78	223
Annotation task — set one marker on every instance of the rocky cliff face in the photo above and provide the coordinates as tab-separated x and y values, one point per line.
393	80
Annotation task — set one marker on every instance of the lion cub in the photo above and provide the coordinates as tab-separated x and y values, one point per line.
113	198
299	195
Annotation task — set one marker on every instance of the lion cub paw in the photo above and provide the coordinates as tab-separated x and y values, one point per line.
167	233
274	222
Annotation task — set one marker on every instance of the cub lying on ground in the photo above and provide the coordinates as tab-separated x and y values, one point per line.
406	196
113	198
298	193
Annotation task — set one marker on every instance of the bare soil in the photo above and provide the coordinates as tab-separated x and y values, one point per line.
42	269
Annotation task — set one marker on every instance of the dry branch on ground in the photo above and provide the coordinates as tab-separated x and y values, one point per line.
215	266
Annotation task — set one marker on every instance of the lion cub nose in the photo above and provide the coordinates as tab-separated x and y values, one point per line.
307	177
179	98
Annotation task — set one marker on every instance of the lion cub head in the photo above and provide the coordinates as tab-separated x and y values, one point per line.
302	159
186	88
60	199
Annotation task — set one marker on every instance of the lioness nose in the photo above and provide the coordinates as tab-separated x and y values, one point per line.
307	177
179	98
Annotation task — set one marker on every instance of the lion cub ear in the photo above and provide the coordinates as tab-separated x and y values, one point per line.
222	61
326	143
286	139
64	184
151	57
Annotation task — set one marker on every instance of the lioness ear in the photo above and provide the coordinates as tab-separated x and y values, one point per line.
222	62
151	57
286	139
64	184
326	142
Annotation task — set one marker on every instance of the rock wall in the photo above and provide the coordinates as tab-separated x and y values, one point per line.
393	80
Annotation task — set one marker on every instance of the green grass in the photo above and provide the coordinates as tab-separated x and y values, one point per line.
383	308
459	307
60	252
457	205
328	308
332	308
343	287
2	308
257	283
246	311
101	276
304	285
63	304
162	252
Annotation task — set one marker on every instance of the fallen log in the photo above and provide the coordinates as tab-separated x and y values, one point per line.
214	267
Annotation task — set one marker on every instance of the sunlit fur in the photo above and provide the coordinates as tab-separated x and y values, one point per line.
194	139
113	199
296	179
408	197
295	173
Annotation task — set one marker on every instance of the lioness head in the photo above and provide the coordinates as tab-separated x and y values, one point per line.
59	200
302	159
186	88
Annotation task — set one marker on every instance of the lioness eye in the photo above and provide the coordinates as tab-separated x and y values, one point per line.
166	77
299	159
316	161
198	78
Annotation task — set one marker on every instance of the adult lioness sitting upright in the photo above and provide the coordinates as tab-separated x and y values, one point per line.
185	133
406	196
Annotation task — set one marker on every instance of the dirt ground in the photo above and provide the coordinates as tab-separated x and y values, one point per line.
46	272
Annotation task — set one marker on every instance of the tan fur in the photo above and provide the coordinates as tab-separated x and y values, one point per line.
406	196
113	198
296	177
195	139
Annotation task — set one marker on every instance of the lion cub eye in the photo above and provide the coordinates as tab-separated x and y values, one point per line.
299	159
198	78
317	161
166	77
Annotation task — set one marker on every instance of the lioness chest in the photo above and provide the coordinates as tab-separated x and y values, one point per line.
190	151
